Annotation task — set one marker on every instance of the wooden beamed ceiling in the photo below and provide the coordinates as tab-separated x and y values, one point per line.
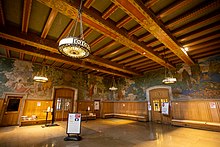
127	37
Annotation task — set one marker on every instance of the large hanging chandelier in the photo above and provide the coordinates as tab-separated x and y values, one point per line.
75	47
113	88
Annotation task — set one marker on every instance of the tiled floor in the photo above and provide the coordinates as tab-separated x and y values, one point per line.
109	133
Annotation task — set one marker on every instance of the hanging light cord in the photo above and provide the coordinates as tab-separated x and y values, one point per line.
78	19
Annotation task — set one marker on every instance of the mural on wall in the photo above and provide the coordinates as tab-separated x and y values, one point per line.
17	76
199	81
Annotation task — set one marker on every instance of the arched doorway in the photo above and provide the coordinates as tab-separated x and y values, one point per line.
64	101
157	97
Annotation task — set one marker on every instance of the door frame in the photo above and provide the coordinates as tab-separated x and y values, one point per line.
6	95
148	97
54	99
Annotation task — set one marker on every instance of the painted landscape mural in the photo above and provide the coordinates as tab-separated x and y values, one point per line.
201	81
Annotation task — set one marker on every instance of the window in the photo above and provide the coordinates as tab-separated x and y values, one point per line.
13	104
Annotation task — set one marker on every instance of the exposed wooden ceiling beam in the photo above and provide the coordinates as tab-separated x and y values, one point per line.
150	3
134	30
49	45
67	30
124	55
145	37
115	51
106	46
142	64
147	19
54	57
138	61
87	32
111	9
99	24
173	8
205	44
196	24
206	49
203	38
88	3
143	67
211	5
123	21
201	31
97	40
52	16
2	18
26	15
130	59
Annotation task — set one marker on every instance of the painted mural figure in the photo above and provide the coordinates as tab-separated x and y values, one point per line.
19	87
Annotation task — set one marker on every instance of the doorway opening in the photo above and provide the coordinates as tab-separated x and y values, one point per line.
64	101
157	97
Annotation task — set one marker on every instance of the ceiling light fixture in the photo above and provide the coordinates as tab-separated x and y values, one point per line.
113	88
168	79
41	77
75	47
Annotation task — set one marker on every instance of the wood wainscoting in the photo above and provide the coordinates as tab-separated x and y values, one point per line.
203	114
86	108
129	110
35	112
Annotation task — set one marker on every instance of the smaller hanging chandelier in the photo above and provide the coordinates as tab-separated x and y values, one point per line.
113	88
75	47
41	77
168	79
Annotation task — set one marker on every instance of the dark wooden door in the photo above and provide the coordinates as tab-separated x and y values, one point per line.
11	111
157	98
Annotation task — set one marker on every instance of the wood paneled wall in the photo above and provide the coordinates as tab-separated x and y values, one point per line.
38	108
1	104
83	106
107	107
132	108
1	108
198	110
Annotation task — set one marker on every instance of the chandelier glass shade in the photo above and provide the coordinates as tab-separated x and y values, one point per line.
40	79
169	80
75	47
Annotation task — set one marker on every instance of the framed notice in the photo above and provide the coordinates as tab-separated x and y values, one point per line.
96	105
212	105
165	108
74	123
